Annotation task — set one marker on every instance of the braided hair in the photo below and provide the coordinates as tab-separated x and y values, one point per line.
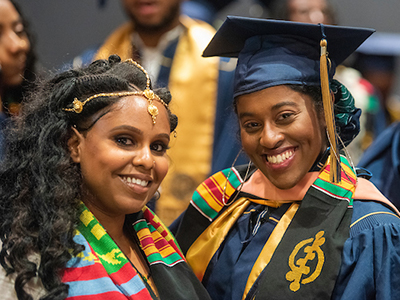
39	183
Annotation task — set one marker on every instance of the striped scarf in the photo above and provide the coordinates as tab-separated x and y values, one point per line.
102	271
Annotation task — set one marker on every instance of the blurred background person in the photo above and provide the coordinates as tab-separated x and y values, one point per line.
17	60
324	11
378	62
214	12
169	45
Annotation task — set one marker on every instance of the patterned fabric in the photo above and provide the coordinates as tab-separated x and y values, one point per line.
211	196
102	271
369	260
333	226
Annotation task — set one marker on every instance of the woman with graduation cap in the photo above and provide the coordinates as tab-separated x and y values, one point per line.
298	222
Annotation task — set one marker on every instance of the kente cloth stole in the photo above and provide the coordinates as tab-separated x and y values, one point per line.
302	256
102	271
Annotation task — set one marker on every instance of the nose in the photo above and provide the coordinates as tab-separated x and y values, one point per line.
271	137
143	158
16	43
317	16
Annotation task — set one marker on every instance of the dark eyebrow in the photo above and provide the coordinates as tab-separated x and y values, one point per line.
127	127
284	103
138	131
275	107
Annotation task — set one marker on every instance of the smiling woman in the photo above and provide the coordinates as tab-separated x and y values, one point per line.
297	222
83	159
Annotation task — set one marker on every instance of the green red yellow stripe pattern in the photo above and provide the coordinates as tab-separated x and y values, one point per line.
215	192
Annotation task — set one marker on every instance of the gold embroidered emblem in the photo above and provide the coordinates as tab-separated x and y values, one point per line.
300	268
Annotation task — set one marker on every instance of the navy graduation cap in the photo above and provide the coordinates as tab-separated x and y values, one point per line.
274	52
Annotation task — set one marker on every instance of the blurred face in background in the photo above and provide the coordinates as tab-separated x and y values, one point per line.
310	11
153	15
14	45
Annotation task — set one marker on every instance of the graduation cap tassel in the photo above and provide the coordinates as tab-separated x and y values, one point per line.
329	114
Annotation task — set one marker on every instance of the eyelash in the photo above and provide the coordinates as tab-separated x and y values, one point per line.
122	141
164	147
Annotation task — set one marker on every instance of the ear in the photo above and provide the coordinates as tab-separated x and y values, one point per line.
74	145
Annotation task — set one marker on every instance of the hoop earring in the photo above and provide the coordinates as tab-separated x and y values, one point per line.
239	188
156	195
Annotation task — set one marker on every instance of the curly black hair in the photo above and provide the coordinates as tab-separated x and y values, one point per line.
39	183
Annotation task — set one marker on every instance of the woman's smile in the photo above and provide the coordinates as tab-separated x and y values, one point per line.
139	184
280	159
281	132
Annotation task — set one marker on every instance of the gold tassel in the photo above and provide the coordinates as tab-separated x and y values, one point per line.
329	114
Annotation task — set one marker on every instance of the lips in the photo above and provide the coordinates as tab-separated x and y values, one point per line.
147	7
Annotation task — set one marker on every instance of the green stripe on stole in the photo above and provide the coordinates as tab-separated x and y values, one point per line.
105	248
208	196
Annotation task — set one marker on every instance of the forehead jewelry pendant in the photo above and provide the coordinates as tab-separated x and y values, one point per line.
151	109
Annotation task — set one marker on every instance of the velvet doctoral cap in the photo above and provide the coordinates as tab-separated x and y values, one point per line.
272	52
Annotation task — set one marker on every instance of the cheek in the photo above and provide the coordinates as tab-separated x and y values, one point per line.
249	143
162	165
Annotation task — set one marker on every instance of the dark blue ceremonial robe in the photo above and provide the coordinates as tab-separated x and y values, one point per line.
370	266
382	159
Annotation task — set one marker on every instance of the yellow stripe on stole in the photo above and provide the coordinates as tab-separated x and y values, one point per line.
203	249
345	182
222	183
209	197
151	248
270	247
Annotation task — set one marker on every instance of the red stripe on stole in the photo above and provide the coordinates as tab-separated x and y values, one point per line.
96	271
344	176
213	190
164	232
84	273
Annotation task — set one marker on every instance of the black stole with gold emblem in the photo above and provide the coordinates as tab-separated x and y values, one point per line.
306	262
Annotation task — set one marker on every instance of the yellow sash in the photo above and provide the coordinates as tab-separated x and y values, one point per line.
193	84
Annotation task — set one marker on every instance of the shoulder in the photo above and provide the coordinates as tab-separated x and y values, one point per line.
7	282
368	215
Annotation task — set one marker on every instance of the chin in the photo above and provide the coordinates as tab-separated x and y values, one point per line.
283	182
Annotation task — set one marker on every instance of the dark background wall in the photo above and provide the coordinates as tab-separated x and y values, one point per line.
65	28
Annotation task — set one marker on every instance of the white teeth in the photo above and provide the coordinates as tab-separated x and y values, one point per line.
136	181
280	158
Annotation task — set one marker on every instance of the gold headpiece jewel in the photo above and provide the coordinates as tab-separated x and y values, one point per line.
147	93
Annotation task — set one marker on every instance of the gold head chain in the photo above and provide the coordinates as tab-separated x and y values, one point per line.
147	93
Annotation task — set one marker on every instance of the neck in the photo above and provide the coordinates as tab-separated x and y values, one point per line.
151	38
